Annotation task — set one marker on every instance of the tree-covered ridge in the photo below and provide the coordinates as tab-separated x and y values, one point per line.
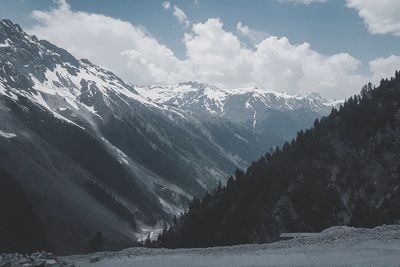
343	171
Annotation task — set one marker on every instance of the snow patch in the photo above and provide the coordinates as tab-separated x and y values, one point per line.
6	44
169	208
38	99
7	135
254	119
7	93
241	138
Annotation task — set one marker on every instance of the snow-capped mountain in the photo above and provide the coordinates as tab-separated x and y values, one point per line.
85	145
251	107
94	153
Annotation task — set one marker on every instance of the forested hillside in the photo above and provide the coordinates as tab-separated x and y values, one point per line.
345	170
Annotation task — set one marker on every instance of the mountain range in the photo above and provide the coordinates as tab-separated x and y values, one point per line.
90	152
267	112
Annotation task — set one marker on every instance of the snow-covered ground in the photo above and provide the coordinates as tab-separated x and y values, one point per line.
336	246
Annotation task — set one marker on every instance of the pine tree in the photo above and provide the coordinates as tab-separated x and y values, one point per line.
147	242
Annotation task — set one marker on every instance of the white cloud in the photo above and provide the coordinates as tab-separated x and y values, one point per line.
218	57
384	68
380	16
166	5
304	2
298	68
253	35
178	13
213	55
122	47
181	16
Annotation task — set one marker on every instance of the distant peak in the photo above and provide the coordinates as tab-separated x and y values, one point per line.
5	23
313	95
195	84
86	61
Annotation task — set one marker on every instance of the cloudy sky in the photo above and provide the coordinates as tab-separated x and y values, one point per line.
329	46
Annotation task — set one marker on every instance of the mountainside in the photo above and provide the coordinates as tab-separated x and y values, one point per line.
92	153
273	113
85	145
343	171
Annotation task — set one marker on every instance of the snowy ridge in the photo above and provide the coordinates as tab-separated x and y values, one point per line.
194	97
253	108
61	78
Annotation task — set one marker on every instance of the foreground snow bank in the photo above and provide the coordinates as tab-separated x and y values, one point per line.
336	246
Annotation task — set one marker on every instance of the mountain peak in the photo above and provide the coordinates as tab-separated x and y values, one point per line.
194	84
8	24
42	68
7	28
313	95
201	86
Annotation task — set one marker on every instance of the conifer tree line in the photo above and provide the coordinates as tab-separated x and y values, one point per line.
345	170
